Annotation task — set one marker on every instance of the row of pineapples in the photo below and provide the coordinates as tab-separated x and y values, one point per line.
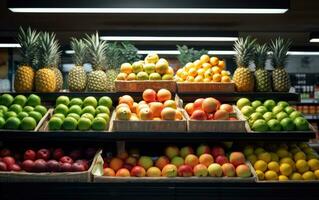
41	57
247	51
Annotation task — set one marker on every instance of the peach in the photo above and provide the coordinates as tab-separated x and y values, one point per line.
168	114
215	170
161	162
131	160
145	162
189	108
221	160
134	107
199	115
221	115
140	107
237	158
209	105
123	173
138	171
185	171
200	170
149	95
122	155
170	103
116	163
156	108
243	171
145	114
217	103
217	151
122	105
123	113
198	103
169	170
108	172
163	95
177	161
228	170
206	159
127	99
227	108
171	151
178	115
201	149
185	151
191	160
153	172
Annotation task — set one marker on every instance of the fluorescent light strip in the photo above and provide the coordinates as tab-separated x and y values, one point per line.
314	40
175	52
164	38
154	10
303	53
69	51
9	45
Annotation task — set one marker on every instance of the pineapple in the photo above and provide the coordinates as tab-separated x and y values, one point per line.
243	77
280	77
24	76
47	78
111	75
77	79
262	77
97	78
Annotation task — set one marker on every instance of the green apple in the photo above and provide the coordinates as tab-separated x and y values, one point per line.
261	109
269	104
274	125
287	124
256	104
301	124
268	116
247	110
243	102
260	125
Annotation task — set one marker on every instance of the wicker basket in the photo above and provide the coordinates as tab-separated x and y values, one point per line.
183	87
85	176
140	86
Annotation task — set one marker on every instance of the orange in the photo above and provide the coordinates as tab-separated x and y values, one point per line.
192	72
206	66
216	70
116	164
200	71
207	80
188	66
198	64
184	75
199	78
221	64
217	77
204	58
214	61
190	79
225	79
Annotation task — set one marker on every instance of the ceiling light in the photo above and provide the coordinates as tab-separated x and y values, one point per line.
303	53
314	40
176	52
10	45
69	51
164	38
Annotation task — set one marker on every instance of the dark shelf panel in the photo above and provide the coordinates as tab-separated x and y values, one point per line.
152	136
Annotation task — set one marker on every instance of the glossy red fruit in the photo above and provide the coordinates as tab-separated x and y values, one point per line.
43	154
85	163
29	155
66	159
58	153
14	167
53	166
40	165
28	165
3	166
66	167
8	160
78	167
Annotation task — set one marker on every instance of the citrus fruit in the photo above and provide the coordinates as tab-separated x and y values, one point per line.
281	152
317	173
75	109
76	101
89	109
283	178
271	175
12	123
15	108
84	124
260	175
90	101
313	164
6	99
62	100
28	109
265	156
274	166
260	165
74	115
41	109
102	109
274	157
98	123
69	123
285	169
20	99
22	115
302	166
61	108
33	100
295	176
55	123
309	175
299	156
259	150
28	123
36	115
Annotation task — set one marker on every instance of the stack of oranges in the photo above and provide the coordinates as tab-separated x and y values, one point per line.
206	69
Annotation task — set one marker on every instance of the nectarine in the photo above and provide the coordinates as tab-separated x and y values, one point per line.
149	95
163	95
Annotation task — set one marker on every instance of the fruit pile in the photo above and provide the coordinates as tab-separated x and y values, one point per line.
20	112
209	109
152	68
182	162
205	69
155	106
78	114
284	162
46	160
272	116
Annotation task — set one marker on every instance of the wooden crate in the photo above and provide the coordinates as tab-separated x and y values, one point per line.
184	87
85	176
44	125
217	125
147	125
140	86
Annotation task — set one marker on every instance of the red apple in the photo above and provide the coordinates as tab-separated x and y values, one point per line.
199	115
185	171
237	158
40	165
226	107
43	154
138	171
201	149
66	159
29	155
217	151
221	160
75	154
198	103
8	160
161	162
28	165
221	115
14	167
3	166
66	167
85	163
53	166
5	152
209	105
58	153
77	167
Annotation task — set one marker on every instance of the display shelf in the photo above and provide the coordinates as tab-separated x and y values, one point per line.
309	101
154	191
312	117
94	136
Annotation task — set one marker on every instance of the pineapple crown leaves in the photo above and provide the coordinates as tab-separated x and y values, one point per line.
121	52
260	55
48	50
96	51
28	41
189	54
244	48
279	49
80	51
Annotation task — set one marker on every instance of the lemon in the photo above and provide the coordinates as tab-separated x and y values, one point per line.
309	175
252	158
260	165
274	166
179	72
288	161
285	169
189	66
259	150
281	152
200	71
204	58
283	178
197	64
192	72
260	175
313	164
317	173
271	175
302	166
274	157
265	156
295	176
